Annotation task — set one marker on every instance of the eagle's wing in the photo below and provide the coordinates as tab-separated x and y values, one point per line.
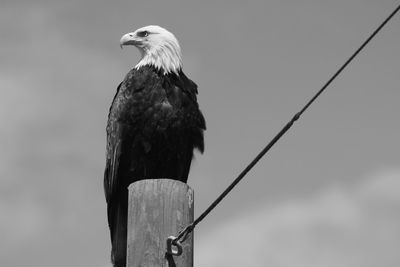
118	161
113	153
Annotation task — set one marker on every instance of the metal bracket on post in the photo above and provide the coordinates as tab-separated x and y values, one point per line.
171	241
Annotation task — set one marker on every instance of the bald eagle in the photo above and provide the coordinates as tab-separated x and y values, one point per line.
154	125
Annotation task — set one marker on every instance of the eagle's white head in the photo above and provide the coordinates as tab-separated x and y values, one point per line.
158	47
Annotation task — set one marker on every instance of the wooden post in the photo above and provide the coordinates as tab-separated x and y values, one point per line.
158	208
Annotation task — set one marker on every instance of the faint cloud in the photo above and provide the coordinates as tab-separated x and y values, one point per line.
340	226
22	222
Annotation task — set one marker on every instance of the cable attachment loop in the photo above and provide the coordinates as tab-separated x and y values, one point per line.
173	242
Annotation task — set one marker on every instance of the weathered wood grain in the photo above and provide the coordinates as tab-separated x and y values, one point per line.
158	208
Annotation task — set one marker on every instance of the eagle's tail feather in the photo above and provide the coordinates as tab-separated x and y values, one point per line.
118	229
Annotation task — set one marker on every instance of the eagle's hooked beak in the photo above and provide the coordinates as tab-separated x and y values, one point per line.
128	39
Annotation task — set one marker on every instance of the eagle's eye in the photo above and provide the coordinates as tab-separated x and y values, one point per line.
143	34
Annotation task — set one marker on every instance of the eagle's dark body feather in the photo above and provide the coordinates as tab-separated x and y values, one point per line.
154	124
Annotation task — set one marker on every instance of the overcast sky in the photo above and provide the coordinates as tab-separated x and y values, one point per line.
326	195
